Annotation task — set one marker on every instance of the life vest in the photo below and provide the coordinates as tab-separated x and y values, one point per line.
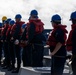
8	30
69	40
5	29
12	30
39	26
1	29
15	26
51	39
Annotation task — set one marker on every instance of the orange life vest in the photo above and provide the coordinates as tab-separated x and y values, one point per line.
69	40
39	26
8	30
51	39
5	29
14	27
1	29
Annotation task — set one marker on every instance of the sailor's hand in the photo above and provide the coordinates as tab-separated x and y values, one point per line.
16	42
52	54
12	38
1	40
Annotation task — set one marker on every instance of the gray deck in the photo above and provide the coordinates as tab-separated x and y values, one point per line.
66	72
47	63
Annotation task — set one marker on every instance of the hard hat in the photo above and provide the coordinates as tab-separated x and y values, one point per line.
34	12
56	18
73	15
12	22
18	16
7	21
23	26
4	18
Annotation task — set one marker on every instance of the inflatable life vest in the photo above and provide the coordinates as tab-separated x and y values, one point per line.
51	39
8	30
5	29
39	26
69	40
1	29
15	26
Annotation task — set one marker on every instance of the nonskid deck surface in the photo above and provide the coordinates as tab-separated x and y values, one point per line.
2	71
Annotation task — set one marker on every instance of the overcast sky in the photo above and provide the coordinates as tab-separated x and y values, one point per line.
46	9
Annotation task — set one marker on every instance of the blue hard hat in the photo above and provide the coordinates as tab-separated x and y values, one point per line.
23	26
73	15
7	21
18	16
12	22
56	18
34	12
0	24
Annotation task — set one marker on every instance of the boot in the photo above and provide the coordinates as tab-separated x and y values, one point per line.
16	70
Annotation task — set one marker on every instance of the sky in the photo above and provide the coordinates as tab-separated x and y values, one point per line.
46	9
